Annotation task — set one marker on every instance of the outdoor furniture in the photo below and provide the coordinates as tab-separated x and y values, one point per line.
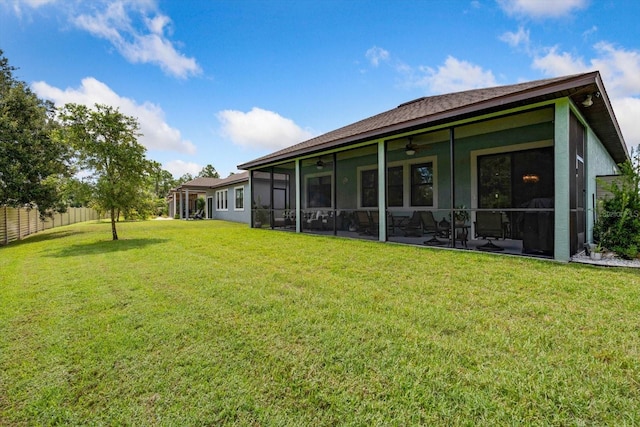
489	225
375	222
462	233
431	226
363	222
396	222
413	227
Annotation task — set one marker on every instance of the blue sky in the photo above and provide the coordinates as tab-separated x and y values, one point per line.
223	82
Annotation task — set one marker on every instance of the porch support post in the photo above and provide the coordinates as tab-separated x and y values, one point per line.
298	197
452	183
382	192
187	204
561	235
181	203
175	196
251	204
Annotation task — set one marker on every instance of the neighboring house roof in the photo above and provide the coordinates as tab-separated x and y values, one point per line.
209	183
203	184
441	109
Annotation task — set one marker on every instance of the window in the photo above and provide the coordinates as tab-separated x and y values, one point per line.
395	187
369	188
319	191
221	200
512	180
239	191
422	184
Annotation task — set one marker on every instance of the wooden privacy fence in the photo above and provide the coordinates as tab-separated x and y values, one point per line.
16	223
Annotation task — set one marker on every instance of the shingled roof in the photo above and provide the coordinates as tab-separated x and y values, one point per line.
442	109
203	183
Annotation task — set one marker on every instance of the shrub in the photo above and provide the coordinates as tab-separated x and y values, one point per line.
617	227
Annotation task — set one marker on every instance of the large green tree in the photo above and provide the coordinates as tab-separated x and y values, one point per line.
32	164
106	144
209	172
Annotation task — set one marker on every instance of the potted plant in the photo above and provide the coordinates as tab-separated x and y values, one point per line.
461	215
596	252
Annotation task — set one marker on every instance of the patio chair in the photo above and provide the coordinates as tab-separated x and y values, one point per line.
489	225
375	222
363	222
431	226
413	227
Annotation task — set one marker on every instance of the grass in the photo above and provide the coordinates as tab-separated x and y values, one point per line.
210	323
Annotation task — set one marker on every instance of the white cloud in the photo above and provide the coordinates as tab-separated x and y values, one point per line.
20	7
541	8
620	69
519	39
261	129
180	167
136	29
375	55
554	63
146	42
158	135
454	76
627	110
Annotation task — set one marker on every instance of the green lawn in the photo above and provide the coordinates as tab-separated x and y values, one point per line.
206	323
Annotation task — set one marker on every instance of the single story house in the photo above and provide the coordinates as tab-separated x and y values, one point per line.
224	198
509	168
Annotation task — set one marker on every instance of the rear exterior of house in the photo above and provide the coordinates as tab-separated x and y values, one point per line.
509	169
224	199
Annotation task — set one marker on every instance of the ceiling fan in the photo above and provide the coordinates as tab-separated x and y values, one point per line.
411	148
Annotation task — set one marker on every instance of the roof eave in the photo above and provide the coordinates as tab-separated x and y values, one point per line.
531	96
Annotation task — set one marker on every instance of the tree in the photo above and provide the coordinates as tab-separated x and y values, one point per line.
77	192
32	164
184	178
162	180
106	144
208	172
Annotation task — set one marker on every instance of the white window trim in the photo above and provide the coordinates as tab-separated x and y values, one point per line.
406	181
235	189
222	200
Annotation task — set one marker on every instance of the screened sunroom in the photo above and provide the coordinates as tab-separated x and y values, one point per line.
507	170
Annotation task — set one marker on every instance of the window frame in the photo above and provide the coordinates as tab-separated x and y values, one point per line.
235	199
222	200
413	185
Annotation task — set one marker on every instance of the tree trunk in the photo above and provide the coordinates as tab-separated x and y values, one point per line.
114	233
